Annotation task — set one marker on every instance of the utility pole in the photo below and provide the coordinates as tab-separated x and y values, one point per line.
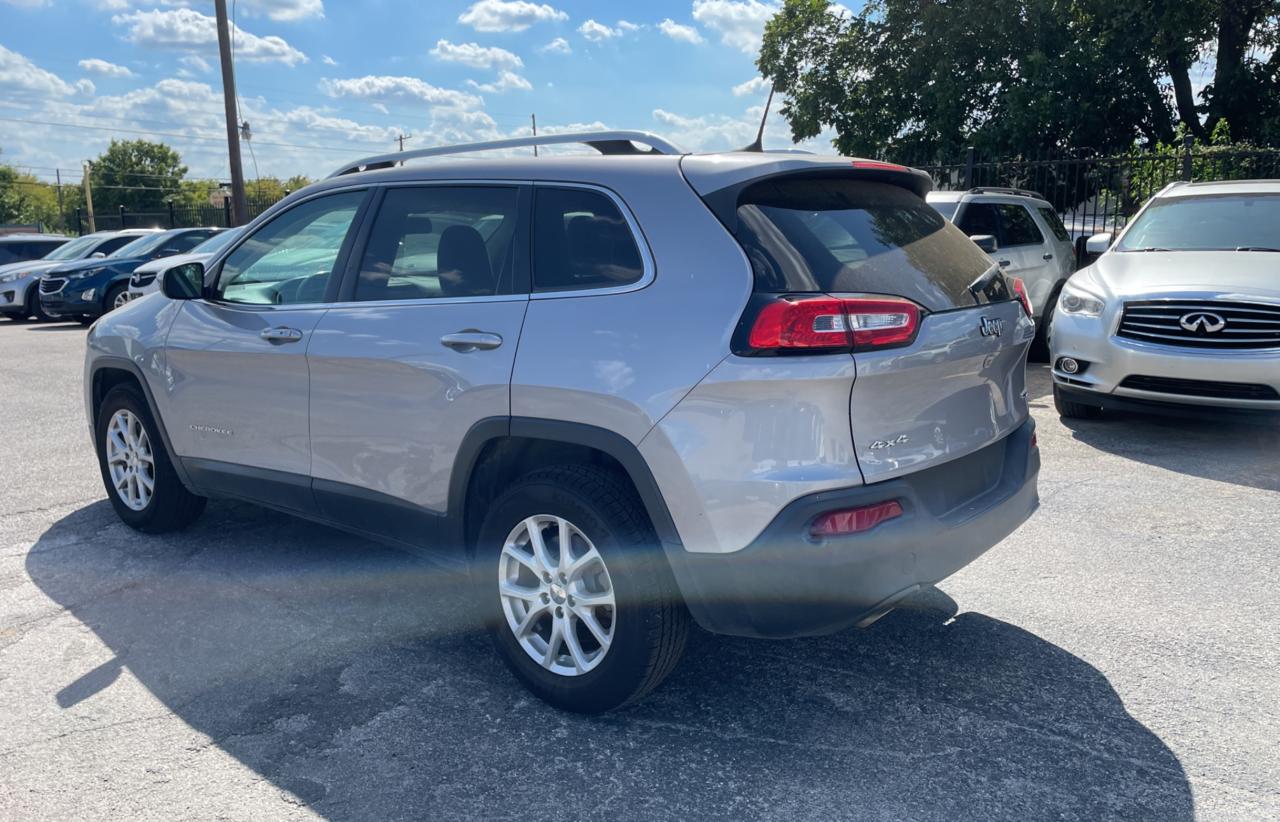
239	213
88	195
62	217
402	138
533	118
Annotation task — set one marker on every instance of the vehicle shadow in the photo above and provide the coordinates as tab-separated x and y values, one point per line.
355	678
1241	453
45	328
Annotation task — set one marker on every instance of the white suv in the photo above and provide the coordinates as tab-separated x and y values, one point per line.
1031	242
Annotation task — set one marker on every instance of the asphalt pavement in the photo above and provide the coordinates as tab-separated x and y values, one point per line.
1116	658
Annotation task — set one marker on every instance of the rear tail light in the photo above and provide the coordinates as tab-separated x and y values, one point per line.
818	324
854	520
1020	288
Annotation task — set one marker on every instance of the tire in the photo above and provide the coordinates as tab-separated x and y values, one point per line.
1040	345
116	297
646	626
170	506
35	308
1070	410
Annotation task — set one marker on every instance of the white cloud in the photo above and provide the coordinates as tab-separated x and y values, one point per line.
196	62
279	10
740	23
476	55
598	32
97	66
678	31
29	4
509	15
187	29
85	86
755	84
383	87
507	81
627	25
17	73
327	60
721	132
557	46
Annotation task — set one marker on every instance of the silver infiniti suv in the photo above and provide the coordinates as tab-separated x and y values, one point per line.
775	394
1181	313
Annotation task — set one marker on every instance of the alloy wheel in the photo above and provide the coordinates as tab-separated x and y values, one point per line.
120	299
130	460
556	595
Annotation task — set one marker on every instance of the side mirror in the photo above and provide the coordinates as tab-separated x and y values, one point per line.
97	255
986	242
183	282
1098	243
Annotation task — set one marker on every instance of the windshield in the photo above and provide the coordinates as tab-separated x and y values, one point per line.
217	242
1222	222
946	208
140	247
73	250
839	235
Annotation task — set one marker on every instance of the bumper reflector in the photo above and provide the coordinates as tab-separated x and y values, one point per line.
854	520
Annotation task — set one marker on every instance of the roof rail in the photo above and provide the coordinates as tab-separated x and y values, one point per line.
1021	192
606	142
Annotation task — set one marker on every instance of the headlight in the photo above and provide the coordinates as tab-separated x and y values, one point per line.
1075	300
89	272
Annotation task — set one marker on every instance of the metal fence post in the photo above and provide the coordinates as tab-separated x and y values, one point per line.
173	223
122	213
1187	142
968	168
226	211
79	222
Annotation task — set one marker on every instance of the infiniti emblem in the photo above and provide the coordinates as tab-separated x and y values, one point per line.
1205	321
991	326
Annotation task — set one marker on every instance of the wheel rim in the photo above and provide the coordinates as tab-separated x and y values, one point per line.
130	461
121	299
557	595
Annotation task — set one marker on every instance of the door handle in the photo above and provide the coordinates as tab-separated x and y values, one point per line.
1005	263
470	340
1049	256
280	334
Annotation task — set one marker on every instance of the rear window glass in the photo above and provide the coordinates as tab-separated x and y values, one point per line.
855	236
580	240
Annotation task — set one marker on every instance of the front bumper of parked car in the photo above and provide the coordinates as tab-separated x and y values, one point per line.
1118	372
788	583
73	298
15	295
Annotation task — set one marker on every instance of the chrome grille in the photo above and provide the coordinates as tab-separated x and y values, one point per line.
139	280
51	285
1175	322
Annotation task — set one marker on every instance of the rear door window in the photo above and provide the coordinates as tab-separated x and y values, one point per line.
581	240
856	236
440	241
1019	227
1054	222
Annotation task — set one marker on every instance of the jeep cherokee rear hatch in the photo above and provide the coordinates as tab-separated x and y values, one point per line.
850	260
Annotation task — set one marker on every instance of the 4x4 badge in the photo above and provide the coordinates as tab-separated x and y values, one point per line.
991	326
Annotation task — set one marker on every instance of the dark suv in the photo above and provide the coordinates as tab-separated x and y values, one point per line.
90	288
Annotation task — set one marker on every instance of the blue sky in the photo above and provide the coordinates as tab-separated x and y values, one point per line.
322	81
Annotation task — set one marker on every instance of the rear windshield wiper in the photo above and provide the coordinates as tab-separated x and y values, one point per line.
1256	248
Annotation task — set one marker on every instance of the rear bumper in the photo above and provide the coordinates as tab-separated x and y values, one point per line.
786	584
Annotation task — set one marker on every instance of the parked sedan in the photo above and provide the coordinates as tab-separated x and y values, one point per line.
146	277
19	282
1182	312
91	288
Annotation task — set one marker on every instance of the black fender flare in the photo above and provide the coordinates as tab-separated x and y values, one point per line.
109	362
608	442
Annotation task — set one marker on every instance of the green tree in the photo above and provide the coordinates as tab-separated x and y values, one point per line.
25	199
138	174
924	79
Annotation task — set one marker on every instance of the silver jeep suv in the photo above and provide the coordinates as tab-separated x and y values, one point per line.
775	393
